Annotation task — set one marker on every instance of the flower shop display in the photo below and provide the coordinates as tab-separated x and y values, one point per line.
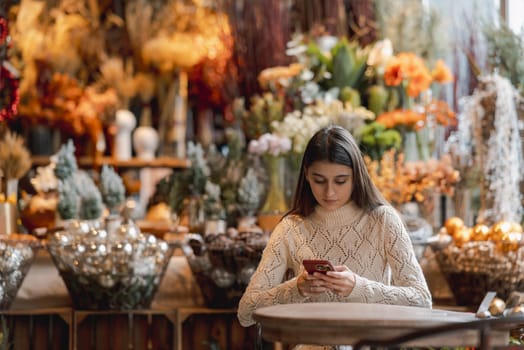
117	270
482	258
17	252
223	264
402	182
417	113
78	66
488	253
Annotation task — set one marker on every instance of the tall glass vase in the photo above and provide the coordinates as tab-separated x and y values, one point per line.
415	146
275	204
173	123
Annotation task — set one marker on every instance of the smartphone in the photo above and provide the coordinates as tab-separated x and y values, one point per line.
321	266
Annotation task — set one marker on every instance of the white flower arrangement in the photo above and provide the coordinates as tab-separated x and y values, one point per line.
299	126
270	144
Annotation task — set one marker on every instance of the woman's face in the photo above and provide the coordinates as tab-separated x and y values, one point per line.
331	183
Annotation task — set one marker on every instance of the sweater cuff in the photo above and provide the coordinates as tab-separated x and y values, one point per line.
359	290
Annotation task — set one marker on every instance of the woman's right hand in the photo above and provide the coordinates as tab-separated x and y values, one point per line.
310	285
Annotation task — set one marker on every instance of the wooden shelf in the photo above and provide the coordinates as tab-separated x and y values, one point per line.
95	162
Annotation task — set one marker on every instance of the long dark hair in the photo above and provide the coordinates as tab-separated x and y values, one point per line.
335	144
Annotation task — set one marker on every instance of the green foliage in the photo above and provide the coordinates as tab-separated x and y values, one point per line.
506	50
212	202
67	205
91	205
249	193
111	187
66	164
378	97
182	184
349	64
176	189
256	119
375	139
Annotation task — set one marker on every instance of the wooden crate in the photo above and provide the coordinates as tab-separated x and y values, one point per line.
179	329
197	327
136	329
38	329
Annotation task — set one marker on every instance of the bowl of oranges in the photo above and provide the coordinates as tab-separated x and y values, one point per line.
481	258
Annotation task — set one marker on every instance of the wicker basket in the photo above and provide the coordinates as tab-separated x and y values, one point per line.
478	267
223	266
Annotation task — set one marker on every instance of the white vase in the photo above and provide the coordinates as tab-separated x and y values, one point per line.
125	122
145	142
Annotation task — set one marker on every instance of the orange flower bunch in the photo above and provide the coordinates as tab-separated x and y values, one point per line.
401	182
410	118
278	74
409	72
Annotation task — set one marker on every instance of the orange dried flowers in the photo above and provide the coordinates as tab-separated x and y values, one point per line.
401	182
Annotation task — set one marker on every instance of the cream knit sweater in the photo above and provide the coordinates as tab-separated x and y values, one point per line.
374	245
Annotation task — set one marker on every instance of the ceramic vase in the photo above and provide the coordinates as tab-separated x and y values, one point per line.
125	123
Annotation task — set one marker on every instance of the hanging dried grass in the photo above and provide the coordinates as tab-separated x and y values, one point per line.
139	16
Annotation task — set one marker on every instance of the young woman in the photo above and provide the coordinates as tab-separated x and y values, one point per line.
338	215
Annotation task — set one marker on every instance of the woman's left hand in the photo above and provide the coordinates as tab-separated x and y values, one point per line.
341	281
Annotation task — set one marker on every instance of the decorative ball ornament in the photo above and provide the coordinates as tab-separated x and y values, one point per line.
516	227
453	225
480	232
462	235
497	307
516	311
511	241
499	229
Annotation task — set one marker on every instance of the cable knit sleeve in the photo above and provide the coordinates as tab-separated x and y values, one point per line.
408	284
265	287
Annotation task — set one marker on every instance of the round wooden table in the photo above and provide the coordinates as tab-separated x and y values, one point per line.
348	323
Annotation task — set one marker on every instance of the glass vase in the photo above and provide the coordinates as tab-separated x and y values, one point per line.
173	121
275	204
415	146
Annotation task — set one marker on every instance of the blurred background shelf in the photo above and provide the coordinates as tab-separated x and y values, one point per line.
133	163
